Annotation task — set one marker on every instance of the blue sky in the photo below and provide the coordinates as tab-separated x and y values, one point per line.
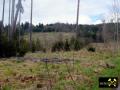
64	11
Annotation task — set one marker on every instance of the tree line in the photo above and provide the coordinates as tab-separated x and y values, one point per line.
92	32
86	34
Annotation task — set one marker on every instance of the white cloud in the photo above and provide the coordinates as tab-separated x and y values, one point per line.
98	22
51	11
85	19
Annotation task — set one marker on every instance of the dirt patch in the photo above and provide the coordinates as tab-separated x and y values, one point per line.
50	60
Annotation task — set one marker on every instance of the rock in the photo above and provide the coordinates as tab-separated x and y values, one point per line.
98	70
7	80
110	65
39	85
103	64
107	64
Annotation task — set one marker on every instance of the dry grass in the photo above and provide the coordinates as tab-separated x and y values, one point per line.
47	39
88	66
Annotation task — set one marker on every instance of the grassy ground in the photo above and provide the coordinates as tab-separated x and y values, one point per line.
47	39
82	75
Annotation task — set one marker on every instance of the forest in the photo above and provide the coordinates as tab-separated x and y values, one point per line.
41	55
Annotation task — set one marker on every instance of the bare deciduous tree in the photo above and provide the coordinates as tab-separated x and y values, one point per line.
12	18
30	27
116	12
104	30
3	14
77	22
19	9
77	19
9	20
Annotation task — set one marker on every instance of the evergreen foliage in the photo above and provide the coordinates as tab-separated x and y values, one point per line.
91	49
58	46
12	48
67	45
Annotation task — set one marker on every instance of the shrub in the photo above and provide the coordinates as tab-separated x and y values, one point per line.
38	45
58	46
7	87
7	48
72	42
33	46
67	45
24	48
13	48
91	49
77	45
16	48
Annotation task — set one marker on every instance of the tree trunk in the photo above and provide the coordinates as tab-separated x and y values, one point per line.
3	14
30	27
12	19
19	28
15	20
77	19
9	20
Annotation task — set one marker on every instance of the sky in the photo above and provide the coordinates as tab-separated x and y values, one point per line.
63	11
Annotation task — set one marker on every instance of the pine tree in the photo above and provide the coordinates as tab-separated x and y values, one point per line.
67	45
